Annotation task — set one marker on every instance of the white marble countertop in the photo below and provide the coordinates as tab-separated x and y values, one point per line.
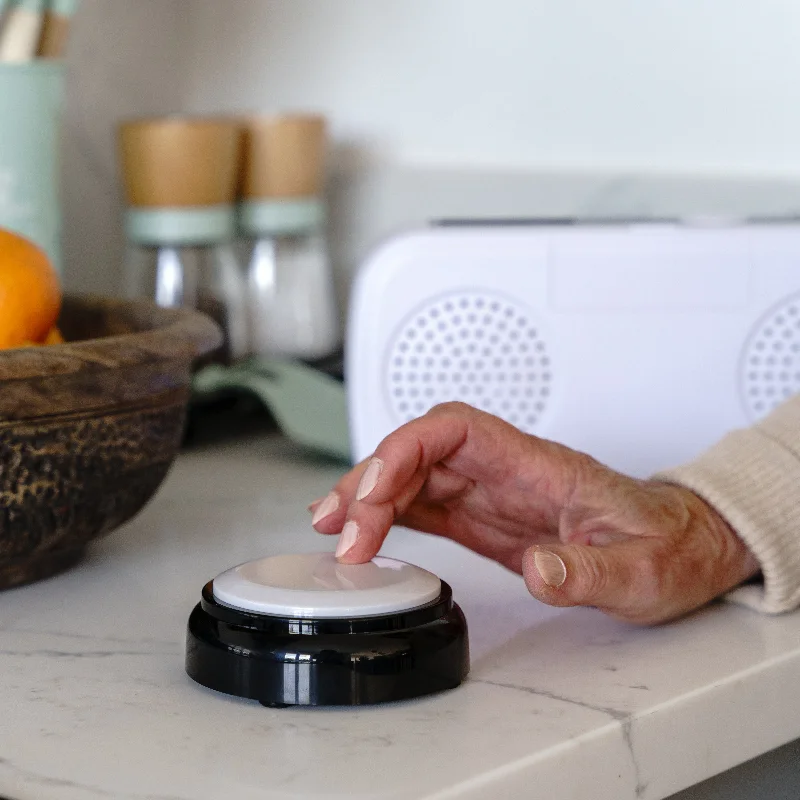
94	701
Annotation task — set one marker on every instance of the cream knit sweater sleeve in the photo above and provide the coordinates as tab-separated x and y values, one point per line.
752	478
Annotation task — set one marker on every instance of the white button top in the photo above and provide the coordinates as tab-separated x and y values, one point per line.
316	585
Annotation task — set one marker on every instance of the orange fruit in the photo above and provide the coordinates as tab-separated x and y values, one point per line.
30	294
54	336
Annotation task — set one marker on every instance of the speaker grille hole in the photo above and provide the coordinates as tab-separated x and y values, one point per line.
770	369
509	375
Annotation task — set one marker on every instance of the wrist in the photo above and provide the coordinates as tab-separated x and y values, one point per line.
735	562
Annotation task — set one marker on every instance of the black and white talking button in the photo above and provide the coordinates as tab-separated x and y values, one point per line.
307	630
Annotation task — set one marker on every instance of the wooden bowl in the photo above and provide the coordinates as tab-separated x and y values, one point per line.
89	429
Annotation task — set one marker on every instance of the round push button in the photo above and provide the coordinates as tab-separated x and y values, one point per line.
316	586
306	630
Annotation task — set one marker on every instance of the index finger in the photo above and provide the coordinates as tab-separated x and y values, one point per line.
393	478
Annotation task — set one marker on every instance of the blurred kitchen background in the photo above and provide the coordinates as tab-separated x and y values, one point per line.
452	108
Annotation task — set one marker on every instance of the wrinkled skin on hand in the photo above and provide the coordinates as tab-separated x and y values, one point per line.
579	533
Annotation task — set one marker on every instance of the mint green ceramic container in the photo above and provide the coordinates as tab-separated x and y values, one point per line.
31	101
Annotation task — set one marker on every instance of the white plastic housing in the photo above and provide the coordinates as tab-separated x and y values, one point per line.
640	344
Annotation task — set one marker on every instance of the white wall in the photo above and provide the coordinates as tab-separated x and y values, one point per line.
125	59
457	107
519	107
689	85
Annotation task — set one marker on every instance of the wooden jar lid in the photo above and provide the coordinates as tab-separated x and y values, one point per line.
284	157
180	161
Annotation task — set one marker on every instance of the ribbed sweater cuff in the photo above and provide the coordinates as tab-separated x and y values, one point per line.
752	478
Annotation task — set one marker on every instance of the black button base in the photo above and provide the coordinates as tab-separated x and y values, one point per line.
281	661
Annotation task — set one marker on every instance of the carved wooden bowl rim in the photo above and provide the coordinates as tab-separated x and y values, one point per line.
153	355
163	333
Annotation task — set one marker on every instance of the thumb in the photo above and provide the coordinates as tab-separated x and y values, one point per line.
583	575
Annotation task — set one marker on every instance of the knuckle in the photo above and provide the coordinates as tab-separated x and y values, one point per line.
455	407
586	468
592	579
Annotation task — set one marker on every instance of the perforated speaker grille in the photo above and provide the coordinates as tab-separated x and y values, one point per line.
477	347
771	361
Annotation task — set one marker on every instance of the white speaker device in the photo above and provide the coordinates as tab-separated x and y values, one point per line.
640	344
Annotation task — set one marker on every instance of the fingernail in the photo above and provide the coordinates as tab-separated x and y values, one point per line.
326	507
550	567
369	479
347	538
315	503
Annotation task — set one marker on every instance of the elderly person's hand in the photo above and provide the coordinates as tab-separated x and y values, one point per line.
578	532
